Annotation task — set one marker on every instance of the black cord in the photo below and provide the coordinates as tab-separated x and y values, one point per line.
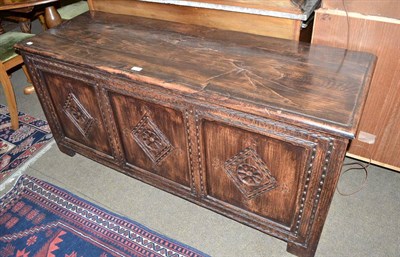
362	166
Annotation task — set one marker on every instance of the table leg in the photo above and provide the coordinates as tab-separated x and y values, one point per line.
52	17
42	21
25	26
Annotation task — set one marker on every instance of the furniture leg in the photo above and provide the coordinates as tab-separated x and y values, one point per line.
25	26
28	77
28	89
52	17
10	97
301	251
66	150
42	21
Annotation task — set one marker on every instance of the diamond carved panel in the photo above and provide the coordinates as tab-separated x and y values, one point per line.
79	116
249	173
151	140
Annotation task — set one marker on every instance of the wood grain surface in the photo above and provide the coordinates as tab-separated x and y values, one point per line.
382	8
321	86
249	23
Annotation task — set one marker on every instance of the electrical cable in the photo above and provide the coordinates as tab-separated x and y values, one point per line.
362	166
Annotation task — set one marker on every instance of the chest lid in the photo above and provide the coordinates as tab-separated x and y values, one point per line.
307	85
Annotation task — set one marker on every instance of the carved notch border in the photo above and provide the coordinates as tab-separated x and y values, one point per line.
320	187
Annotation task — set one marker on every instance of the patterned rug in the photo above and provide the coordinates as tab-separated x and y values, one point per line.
18	147
39	219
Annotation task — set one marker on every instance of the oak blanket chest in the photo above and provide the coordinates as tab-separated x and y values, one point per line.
252	127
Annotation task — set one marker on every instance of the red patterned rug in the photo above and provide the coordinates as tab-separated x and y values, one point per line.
38	219
19	147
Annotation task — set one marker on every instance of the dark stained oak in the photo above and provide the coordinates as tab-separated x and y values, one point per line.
252	127
318	84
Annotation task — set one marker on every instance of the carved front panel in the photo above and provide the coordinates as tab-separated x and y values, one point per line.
255	172
76	104
153	137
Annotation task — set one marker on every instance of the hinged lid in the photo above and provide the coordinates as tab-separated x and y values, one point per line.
314	86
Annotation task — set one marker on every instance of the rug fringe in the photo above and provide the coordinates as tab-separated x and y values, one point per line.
15	176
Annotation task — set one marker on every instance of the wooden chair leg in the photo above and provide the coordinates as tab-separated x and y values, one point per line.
10	97
28	89
28	77
25	26
42	22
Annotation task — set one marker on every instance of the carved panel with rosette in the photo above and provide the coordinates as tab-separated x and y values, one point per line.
249	173
151	140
